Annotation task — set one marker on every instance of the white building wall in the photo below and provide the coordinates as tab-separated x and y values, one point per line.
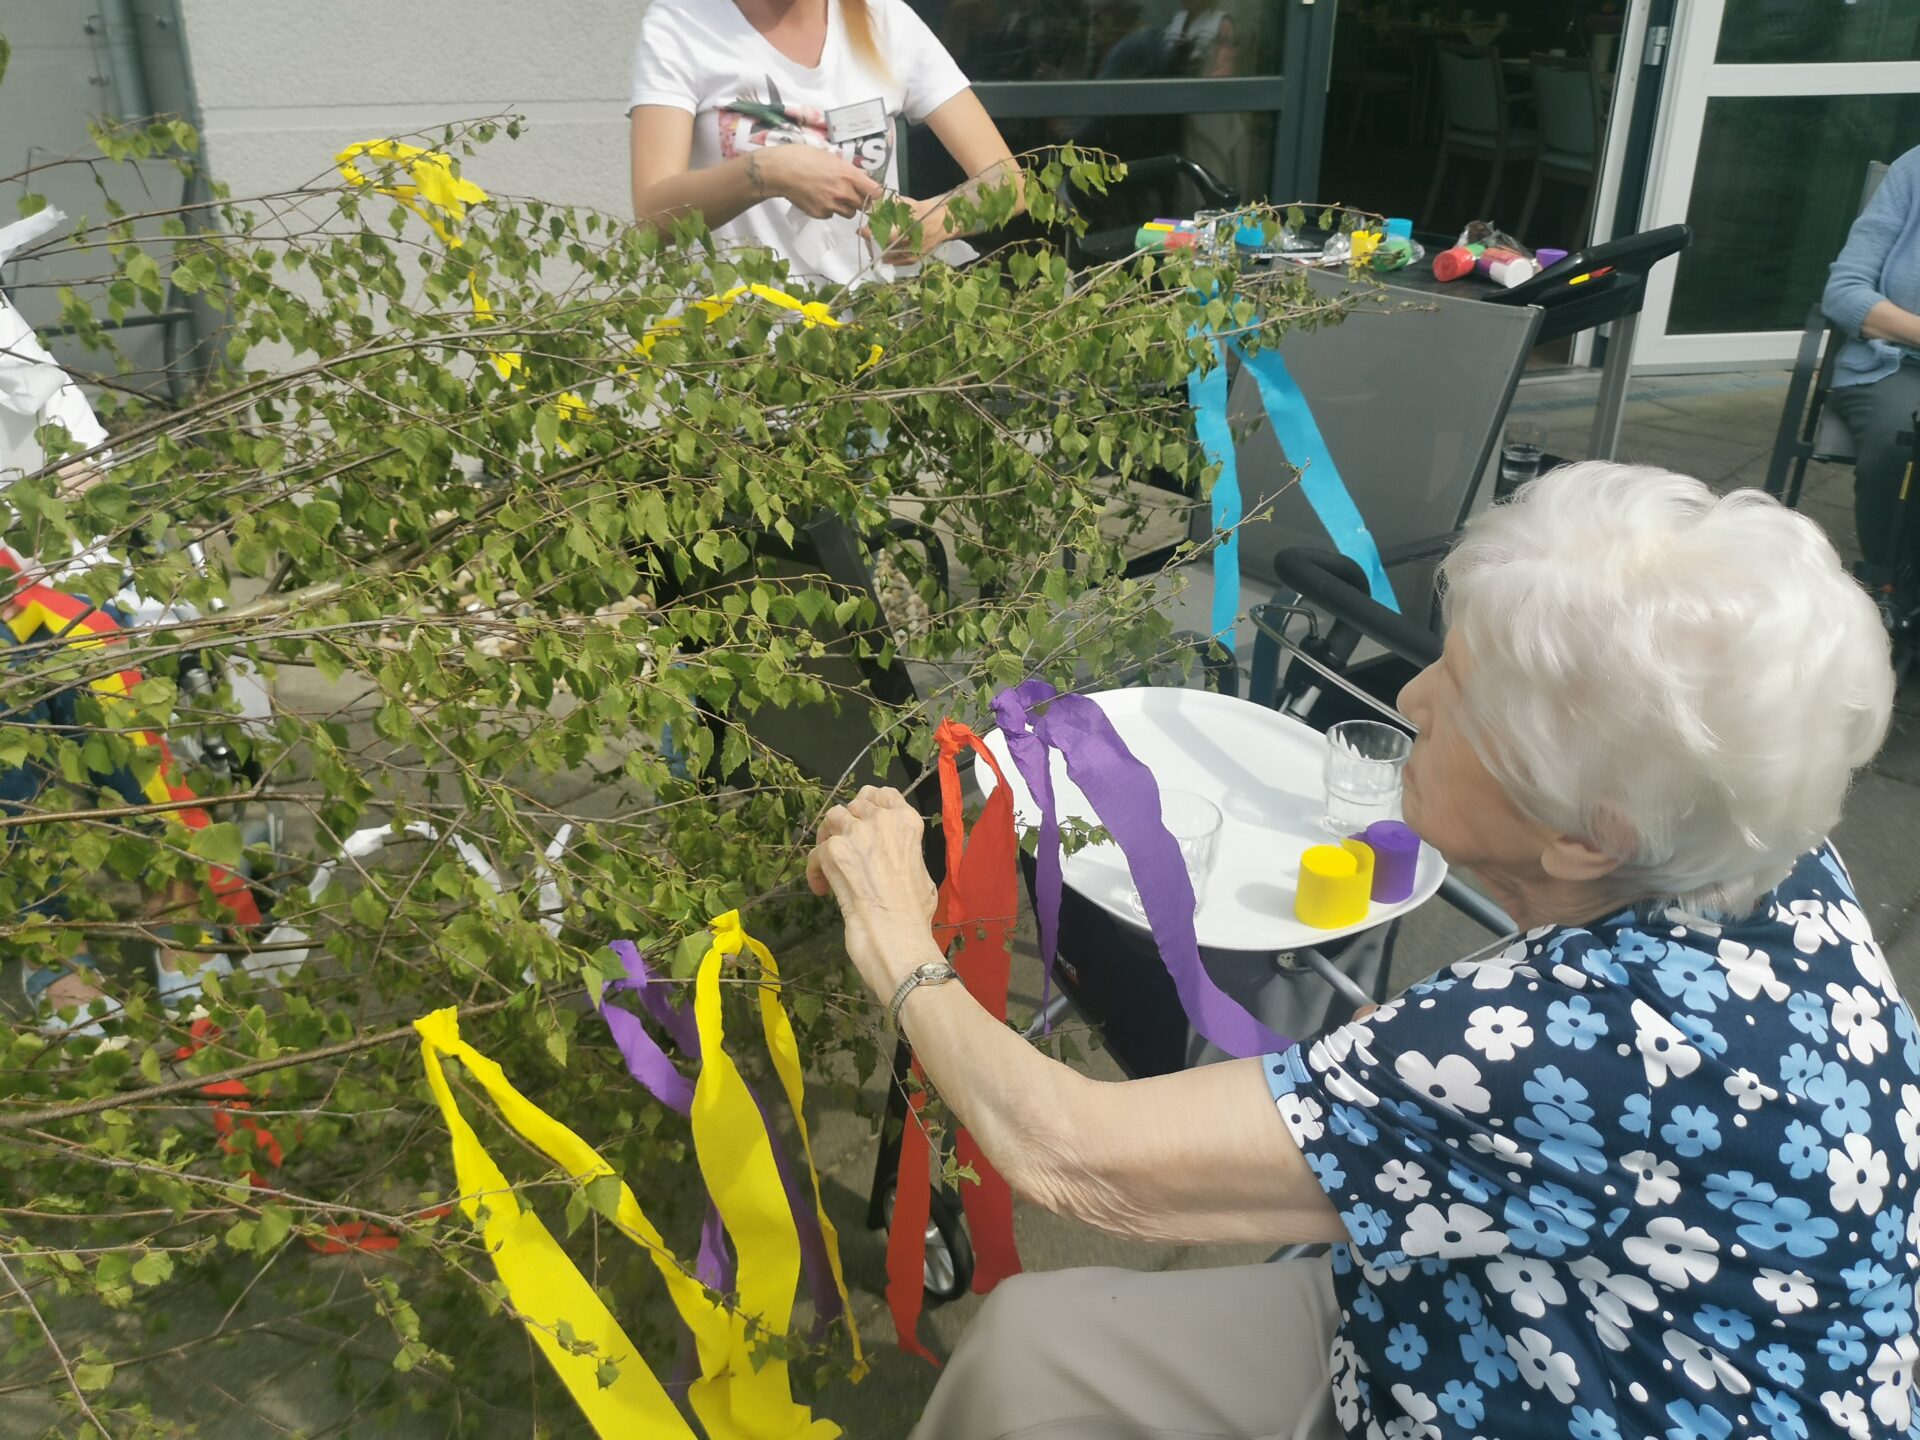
284	85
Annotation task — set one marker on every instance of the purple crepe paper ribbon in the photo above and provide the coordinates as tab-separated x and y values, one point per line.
1029	753
656	1072
1126	798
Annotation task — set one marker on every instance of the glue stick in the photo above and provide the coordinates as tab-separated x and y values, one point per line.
1455	263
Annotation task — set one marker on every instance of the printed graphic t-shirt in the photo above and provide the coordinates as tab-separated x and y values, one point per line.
1649	1179
703	57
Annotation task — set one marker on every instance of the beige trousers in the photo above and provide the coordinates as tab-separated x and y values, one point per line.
1230	1354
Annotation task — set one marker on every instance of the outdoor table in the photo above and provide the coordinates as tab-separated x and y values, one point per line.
1264	771
1605	284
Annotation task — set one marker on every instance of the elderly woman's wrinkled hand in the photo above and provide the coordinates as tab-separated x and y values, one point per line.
869	858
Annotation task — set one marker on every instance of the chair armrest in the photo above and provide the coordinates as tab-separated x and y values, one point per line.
1216	192
1335	584
1796	421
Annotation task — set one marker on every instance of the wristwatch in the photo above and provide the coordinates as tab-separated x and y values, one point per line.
934	972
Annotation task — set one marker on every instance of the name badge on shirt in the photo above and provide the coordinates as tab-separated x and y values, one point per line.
856	122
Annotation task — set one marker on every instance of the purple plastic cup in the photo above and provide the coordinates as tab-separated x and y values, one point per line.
1396	860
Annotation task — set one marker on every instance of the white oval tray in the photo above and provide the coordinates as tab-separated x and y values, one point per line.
1263	769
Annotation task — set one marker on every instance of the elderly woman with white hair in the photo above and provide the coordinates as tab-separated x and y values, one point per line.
1646	1170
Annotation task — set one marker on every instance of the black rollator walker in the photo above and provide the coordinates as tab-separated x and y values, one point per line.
1897	591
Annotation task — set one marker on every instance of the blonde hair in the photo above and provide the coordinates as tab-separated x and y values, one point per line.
859	22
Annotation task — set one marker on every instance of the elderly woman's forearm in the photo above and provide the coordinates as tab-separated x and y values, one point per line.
1017	1103
1887	321
1200	1157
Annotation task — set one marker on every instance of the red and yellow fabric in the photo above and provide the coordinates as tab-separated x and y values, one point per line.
34	610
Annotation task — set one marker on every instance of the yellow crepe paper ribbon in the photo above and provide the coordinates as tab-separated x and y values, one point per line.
811	312
731	1142
437	194
735	1397
543	1285
435	191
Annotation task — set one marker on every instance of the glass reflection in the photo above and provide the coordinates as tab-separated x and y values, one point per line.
1107	39
1800	32
1775	190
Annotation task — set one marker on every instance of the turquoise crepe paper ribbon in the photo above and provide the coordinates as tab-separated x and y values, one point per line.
1300	439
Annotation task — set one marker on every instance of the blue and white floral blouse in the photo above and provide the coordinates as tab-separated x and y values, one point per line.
1647	1180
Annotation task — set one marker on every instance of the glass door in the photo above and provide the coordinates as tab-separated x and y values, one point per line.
1221	83
1772	111
1448	111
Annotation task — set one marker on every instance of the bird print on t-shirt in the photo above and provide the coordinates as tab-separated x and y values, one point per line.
748	123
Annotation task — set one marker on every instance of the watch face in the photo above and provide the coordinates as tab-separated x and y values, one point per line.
932	970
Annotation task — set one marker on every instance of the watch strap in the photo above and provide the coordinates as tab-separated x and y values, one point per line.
933	972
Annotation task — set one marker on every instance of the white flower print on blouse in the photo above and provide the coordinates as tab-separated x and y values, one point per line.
1849	1411
1499	1031
1674	1253
1503	1148
1543	1367
1789	1292
1859	1175
1891	1376
1303	1114
1811	930
1871	961
1750	972
1705	1366
1462	1230
1416	1420
1653	1178
1749	1089
1856	1016
1403	1180
1495	974
1452	1081
1663	1048
1614	1299
1908	1124
1632	1179
1530	1284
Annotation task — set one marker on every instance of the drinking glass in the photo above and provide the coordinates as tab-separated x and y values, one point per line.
1526	441
1213	235
1194	822
1363	774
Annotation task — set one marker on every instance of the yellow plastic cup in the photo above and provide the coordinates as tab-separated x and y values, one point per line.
1335	886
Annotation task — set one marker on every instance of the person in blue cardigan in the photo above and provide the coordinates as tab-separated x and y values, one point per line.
1873	294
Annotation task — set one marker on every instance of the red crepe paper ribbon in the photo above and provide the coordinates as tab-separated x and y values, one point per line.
229	1100
974	917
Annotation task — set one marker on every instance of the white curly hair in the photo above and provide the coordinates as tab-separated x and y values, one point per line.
1686	680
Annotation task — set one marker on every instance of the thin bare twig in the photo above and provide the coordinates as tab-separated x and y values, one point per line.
34	1118
73	1384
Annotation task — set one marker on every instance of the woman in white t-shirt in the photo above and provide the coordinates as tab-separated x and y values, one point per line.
774	119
